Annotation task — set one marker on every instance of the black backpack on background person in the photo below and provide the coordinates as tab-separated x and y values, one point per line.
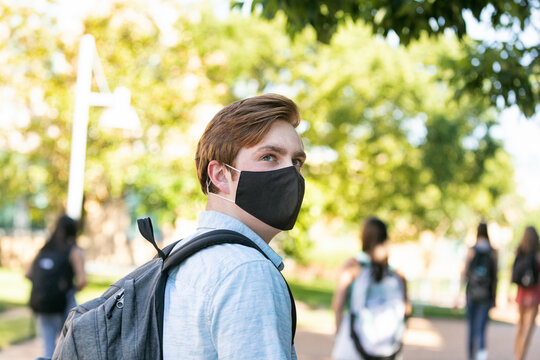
126	321
525	270
481	276
52	278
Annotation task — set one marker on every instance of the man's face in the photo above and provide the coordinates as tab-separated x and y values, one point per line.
281	147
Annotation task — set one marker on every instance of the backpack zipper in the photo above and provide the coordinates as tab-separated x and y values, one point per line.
118	303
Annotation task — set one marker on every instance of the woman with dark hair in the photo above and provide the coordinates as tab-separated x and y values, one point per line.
481	276
368	278
52	272
527	298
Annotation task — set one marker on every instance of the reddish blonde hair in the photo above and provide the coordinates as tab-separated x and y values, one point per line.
240	124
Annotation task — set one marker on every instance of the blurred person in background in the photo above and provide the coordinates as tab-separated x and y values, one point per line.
525	275
368	288
481	279
52	272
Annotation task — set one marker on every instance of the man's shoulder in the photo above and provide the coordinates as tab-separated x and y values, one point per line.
210	266
230	255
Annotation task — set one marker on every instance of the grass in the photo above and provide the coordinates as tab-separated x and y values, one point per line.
315	294
95	287
5	305
14	288
15	292
14	330
429	311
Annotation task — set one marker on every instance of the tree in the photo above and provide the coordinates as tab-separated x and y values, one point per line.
172	83
382	134
388	139
504	72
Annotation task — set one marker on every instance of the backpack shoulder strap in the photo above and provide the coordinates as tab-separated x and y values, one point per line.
218	237
168	249
207	239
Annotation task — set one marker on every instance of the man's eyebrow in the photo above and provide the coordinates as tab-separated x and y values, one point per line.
280	150
274	148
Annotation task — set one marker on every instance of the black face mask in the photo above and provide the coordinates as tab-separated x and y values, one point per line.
274	197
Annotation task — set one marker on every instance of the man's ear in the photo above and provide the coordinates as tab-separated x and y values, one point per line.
218	176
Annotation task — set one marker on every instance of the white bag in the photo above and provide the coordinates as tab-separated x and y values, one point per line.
378	310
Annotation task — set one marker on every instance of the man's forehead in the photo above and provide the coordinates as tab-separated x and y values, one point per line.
282	139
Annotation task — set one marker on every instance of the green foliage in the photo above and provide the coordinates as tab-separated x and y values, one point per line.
387	138
409	19
496	69
172	85
383	131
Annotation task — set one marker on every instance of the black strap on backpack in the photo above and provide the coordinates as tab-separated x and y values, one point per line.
203	241
147	230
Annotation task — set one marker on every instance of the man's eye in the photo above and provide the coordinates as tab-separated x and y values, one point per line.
298	163
268	158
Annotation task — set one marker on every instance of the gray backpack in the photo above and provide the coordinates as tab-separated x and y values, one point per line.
126	322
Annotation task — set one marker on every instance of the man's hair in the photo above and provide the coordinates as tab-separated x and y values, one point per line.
243	123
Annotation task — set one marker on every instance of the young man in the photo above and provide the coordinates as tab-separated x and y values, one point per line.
229	301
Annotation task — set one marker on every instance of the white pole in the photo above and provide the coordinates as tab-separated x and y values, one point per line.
80	127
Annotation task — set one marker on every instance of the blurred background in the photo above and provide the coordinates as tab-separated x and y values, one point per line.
422	113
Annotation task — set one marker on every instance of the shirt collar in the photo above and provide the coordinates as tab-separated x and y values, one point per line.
211	220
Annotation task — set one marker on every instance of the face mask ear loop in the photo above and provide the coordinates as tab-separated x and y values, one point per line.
235	169
211	193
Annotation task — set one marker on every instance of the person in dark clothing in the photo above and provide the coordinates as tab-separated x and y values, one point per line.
481	277
59	261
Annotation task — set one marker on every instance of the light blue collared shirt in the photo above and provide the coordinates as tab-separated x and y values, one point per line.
227	301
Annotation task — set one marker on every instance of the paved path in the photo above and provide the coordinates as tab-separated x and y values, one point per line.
426	339
430	339
27	350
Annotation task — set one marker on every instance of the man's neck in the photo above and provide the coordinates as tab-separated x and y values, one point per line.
266	232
